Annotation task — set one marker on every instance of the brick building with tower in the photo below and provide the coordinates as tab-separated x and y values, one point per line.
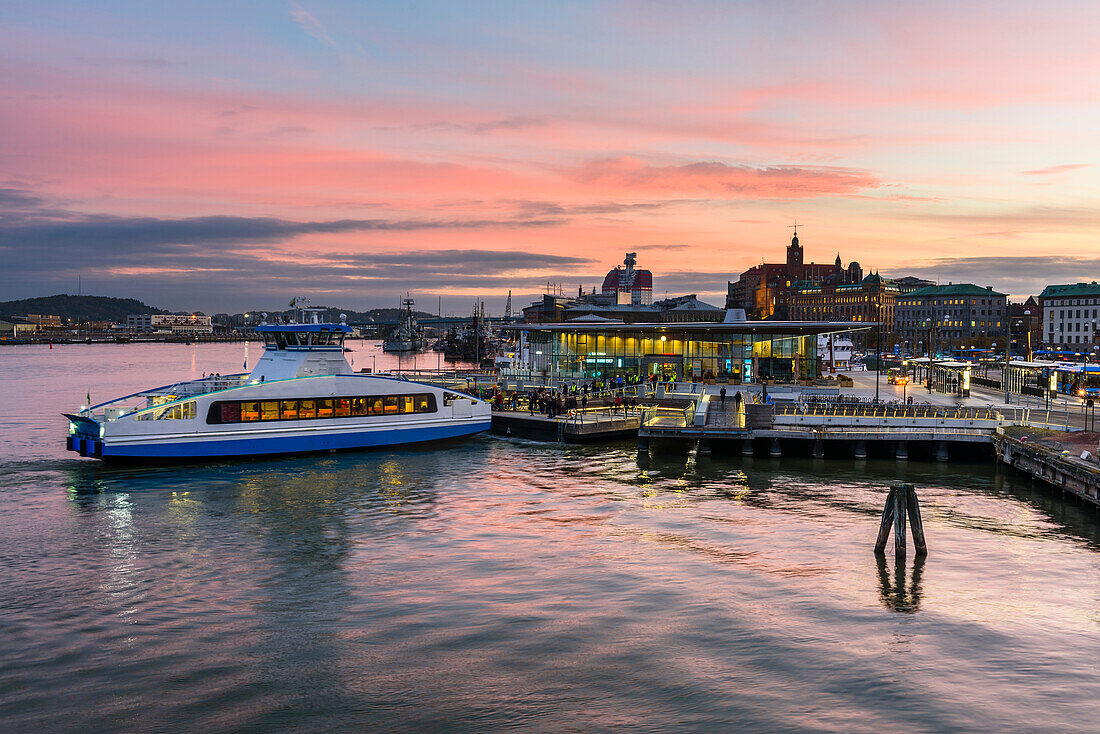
765	290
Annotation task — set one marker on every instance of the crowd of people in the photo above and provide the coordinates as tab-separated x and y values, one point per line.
568	399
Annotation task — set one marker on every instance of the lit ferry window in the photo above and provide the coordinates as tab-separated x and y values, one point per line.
248	411
182	411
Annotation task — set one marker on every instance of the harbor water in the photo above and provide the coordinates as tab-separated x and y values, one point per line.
491	585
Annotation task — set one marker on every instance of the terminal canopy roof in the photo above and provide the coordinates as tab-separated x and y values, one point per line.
799	328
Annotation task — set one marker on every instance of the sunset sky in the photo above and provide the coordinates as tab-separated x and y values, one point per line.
229	155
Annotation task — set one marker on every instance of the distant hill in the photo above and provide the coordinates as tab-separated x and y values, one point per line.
78	308
376	315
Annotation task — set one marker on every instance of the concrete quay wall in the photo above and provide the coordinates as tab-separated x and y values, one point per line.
1068	473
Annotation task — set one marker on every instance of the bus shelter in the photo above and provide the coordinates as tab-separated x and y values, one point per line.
942	375
1031	378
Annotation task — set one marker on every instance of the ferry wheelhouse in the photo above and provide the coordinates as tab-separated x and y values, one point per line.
302	396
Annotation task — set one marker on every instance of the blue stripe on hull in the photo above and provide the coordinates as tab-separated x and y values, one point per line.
289	444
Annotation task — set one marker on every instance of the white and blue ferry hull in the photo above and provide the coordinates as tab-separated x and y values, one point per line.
201	431
267	442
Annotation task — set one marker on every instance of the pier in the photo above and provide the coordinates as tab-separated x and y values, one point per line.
1060	469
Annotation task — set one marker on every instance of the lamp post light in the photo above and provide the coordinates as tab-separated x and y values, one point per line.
931	348
1027	325
1008	350
878	347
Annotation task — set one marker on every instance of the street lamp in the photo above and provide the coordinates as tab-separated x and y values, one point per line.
1008	349
1027	325
931	337
878	347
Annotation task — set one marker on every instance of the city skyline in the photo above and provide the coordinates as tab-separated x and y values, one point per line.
218	157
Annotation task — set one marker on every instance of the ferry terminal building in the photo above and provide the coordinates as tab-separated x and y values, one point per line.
740	351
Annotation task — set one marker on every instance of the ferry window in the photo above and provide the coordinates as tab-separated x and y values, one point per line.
288	410
407	404
424	403
183	411
250	411
343	407
269	410
230	413
376	406
390	403
358	406
307	409
270	341
324	408
449	397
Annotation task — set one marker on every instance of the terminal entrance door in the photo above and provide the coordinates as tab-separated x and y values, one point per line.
665	367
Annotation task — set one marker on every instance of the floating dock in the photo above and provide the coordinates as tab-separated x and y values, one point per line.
583	428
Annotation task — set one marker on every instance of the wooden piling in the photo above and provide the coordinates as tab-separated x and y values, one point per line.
884	525
899	521
914	520
901	502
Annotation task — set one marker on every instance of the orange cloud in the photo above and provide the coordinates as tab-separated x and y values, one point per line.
722	180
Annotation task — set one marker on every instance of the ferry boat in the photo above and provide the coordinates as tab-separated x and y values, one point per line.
302	396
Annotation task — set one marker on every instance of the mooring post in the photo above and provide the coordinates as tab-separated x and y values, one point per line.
776	448
747	447
899	521
861	450
914	520
900	503
884	525
818	448
941	451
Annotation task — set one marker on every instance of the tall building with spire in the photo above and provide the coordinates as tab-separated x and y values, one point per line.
764	290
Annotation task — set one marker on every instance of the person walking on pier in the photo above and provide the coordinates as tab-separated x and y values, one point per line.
722	396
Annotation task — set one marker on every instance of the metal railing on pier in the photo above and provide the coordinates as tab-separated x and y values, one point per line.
882	410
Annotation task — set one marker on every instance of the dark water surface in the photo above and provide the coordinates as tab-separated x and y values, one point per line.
490	585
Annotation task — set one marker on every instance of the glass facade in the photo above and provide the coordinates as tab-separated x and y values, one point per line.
671	354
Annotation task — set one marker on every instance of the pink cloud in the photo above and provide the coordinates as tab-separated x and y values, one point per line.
722	180
1053	170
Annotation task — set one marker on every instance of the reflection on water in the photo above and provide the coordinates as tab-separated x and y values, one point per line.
899	593
491	585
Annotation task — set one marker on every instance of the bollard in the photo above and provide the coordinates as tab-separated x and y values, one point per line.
900	503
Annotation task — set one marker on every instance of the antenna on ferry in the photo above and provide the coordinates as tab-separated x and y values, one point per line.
343	318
